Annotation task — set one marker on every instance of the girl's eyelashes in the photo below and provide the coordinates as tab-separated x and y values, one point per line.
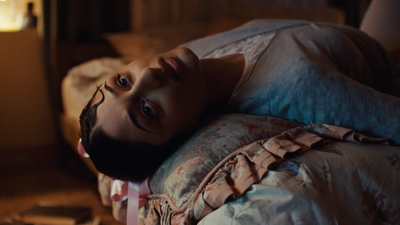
121	81
147	110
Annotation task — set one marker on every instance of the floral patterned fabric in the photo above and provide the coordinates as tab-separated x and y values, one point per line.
182	173
339	183
235	179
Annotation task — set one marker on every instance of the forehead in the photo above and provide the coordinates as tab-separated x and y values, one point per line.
97	96
108	111
112	117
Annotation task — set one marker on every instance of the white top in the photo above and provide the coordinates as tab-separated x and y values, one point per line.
251	48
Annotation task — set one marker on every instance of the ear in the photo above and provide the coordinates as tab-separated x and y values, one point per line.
81	149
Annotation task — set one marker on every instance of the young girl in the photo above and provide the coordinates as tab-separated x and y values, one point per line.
310	73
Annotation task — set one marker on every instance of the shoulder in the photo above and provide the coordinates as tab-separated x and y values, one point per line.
206	45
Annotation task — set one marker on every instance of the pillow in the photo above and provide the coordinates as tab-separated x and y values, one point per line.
225	158
155	40
181	174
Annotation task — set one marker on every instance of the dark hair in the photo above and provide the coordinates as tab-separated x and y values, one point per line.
118	159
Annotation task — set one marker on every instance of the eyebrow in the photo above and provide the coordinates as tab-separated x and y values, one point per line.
110	89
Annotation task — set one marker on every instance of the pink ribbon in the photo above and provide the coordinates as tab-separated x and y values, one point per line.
135	192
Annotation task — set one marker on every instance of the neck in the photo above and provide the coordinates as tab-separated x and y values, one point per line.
221	77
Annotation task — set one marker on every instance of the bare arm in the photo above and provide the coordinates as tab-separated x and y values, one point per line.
381	22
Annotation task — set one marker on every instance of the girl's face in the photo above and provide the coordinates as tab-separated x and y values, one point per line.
152	99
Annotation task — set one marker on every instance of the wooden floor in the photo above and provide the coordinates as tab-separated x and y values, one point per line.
31	175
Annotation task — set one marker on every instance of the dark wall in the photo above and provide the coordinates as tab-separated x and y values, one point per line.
84	21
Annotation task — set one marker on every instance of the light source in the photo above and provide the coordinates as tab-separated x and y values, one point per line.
8	15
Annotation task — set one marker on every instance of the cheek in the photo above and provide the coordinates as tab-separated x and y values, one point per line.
184	107
191	98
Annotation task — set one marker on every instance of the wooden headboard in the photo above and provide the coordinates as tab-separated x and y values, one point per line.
153	13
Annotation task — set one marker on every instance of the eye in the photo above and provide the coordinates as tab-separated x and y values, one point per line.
121	81
147	110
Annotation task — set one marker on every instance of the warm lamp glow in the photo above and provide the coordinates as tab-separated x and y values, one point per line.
9	20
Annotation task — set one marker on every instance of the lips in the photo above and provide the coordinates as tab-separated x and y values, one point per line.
171	64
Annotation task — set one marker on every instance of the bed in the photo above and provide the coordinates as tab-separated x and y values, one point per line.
149	36
242	169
